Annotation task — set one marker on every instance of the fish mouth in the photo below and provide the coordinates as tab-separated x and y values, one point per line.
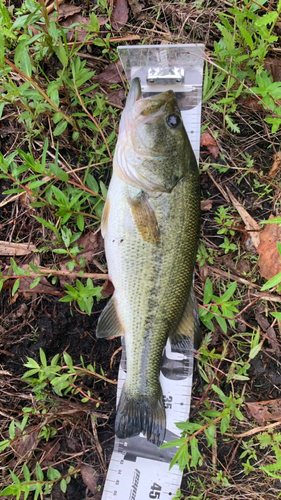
148	106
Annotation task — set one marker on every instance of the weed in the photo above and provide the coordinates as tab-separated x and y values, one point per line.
205	255
37	482
246	40
61	379
219	308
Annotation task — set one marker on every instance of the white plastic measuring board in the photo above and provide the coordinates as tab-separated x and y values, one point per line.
138	469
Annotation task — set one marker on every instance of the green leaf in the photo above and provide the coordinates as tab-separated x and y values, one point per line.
63	485
53	474
94	24
55	97
39	472
210	433
80	222
35	282
276	315
25	63
31	364
47	224
229	292
62	54
247	37
60	128
12	430
222	323
4	444
57	117
26	472
16	286
67	359
268	18
99	42
92	183
10	490
103	189
255	350
220	393
43	358
225	423
2	50
272	282
208	291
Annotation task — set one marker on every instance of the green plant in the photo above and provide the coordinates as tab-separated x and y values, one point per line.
57	378
188	454
205	255
228	246
225	220
61	379
246	40
211	422
37	482
82	294
219	308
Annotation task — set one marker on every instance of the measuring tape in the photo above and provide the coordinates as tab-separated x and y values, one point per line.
138	469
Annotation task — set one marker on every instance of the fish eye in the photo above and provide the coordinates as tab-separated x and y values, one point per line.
173	121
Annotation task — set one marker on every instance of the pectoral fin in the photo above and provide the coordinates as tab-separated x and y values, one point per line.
188	331
104	218
145	218
109	324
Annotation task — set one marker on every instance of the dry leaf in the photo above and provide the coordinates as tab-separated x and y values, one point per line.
16	249
269	261
107	289
272	339
252	103
120	14
66	10
50	451
270	332
276	167
137	9
24	446
117	97
251	225
43	287
90	479
111	74
209	142
206	205
265	411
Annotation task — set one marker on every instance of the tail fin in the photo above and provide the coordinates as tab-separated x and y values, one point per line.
141	413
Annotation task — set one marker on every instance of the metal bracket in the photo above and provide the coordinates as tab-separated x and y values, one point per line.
165	75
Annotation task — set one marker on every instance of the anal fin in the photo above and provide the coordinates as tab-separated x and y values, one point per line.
109	324
188	330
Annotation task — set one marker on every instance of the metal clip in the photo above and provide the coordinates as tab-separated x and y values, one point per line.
165	75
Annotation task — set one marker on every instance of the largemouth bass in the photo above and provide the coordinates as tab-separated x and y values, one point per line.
150	225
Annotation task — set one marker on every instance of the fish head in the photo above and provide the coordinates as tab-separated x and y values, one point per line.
154	151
